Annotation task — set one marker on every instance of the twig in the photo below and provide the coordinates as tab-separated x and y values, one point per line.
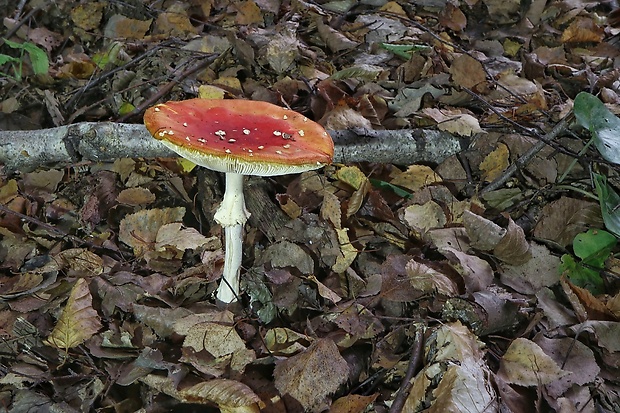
168	87
59	232
19	24
105	141
415	360
527	157
94	82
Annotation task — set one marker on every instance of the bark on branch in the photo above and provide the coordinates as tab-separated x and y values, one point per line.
105	142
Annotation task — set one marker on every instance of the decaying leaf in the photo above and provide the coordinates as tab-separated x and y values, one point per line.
219	340
79	320
139	230
525	364
465	387
230	396
311	376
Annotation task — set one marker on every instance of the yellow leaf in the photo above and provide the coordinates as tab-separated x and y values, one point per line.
495	163
186	166
248	13
416	177
347	251
526	364
78	321
330	209
352	176
210	92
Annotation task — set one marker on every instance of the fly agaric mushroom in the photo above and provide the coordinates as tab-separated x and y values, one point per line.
239	137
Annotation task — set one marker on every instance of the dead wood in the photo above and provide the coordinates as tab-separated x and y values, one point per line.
105	141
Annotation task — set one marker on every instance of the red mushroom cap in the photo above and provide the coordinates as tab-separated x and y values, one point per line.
241	136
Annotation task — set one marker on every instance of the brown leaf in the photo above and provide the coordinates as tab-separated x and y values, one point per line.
483	233
78	321
311	376
352	403
335	40
247	12
139	230
135	196
540	271
513	248
467	71
416	177
219	340
231	396
495	163
357	198
566	217
452	17
476	272
525	364
330	209
582	30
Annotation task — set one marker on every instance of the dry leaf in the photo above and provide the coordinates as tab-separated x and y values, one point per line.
171	235
284	341
219	340
416	177
525	364
231	396
352	403
476	272
468	72
495	163
582	30
513	248
561	220
311	376
282	51
330	209
465	387
348	253
135	196
428	280
483	233
422	218
324	291
452	17
247	12
139	230
78	322
335	40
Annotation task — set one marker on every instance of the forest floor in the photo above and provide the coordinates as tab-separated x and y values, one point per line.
461	285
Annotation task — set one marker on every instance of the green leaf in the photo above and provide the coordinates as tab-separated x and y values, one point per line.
386	185
594	247
581	276
360	72
610	203
38	57
404	50
604	126
6	59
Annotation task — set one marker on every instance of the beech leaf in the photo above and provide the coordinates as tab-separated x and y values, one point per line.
526	364
78	322
311	376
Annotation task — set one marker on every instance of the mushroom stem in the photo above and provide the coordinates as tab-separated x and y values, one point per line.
232	215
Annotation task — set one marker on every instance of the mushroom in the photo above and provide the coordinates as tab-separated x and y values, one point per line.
239	137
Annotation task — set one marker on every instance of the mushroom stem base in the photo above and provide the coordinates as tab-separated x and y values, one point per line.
232	215
228	290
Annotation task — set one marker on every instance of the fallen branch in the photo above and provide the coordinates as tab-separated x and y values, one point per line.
105	142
